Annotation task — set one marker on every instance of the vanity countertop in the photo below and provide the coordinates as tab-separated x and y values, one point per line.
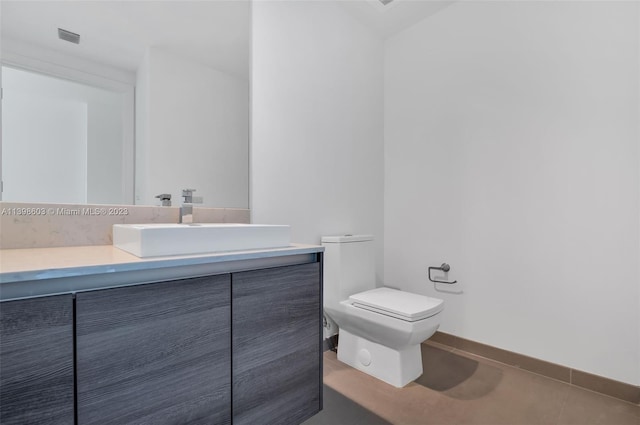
33	272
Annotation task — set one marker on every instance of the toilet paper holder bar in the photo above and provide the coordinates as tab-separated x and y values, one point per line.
445	268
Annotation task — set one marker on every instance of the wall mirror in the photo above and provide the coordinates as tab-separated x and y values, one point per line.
115	102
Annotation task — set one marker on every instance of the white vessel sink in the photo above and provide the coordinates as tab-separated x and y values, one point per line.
150	240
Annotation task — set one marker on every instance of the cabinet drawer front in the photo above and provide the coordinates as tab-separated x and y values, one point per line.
36	361
276	345
155	354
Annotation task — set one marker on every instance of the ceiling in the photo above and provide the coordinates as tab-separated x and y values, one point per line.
116	33
395	17
213	32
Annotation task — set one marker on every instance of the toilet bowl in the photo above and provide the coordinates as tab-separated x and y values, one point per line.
380	329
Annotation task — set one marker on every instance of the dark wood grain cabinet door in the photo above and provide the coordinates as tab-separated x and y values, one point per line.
276	345
36	361
155	354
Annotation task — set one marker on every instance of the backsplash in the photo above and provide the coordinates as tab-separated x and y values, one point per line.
35	225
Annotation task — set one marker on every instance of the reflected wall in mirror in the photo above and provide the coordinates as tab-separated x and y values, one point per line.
62	141
178	71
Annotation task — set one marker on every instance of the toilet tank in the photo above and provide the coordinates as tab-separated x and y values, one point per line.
349	267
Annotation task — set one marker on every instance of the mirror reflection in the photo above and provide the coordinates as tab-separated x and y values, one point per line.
153	99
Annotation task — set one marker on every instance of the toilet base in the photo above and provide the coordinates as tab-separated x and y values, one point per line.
395	367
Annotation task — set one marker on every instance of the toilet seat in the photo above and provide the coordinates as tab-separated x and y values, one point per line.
399	304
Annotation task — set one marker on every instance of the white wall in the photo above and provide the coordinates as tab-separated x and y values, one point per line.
511	152
317	122
142	124
198	139
105	156
44	149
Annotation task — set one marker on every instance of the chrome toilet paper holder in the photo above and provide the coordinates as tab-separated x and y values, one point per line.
445	268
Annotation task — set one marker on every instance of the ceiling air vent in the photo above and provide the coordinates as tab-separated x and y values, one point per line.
69	36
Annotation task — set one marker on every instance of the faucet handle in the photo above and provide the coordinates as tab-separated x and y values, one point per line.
188	195
165	198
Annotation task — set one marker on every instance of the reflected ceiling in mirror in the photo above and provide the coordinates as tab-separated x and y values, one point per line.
191	134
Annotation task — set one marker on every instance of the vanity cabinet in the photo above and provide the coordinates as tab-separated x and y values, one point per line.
156	353
240	345
277	373
36	361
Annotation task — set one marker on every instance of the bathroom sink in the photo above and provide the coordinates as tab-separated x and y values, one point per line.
150	240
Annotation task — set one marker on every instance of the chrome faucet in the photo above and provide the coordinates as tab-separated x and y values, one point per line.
165	198
186	210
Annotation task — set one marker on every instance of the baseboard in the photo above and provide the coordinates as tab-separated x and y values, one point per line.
600	384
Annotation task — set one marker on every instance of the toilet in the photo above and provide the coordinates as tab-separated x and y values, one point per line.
380	329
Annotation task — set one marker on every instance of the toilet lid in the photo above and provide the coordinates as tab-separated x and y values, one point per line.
399	304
